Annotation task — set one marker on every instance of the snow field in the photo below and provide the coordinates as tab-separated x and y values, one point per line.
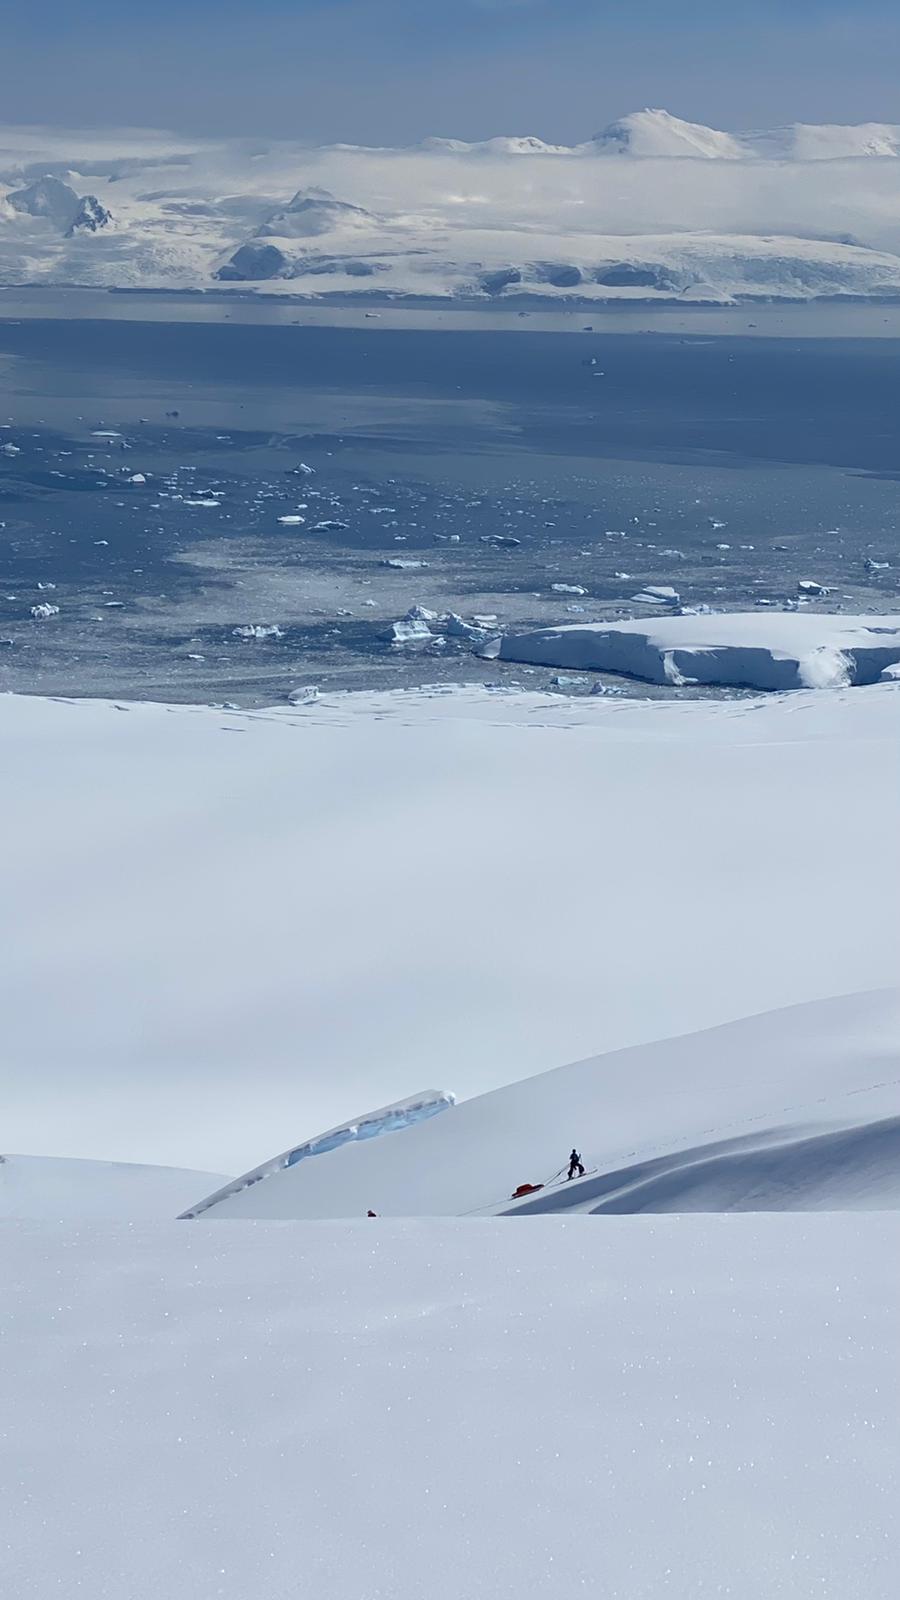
634	1408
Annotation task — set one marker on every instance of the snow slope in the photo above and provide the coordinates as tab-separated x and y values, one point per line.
689	1123
667	1407
778	650
220	950
655	207
373	1125
53	1189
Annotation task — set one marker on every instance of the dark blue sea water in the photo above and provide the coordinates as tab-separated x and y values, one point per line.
727	459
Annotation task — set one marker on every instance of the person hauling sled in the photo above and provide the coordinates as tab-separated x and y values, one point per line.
575	1165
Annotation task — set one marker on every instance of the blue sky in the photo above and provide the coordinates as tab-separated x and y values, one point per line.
385	71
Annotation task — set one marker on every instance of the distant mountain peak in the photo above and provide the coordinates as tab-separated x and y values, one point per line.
311	212
48	198
90	217
654	132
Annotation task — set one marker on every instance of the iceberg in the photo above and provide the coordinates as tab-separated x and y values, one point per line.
778	650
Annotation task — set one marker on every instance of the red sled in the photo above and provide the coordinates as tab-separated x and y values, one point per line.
525	1188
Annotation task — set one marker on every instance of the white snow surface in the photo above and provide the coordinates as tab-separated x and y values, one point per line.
638	1408
778	650
53	1189
797	1109
220	949
653	208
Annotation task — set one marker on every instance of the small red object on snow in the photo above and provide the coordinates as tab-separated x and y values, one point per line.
525	1188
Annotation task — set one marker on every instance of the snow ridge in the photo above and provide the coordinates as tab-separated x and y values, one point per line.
374	1124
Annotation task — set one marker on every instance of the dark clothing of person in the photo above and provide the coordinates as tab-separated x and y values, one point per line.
576	1165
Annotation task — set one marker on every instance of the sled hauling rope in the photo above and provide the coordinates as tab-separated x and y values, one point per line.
556	1176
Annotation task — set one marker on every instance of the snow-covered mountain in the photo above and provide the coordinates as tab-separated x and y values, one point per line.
594	875
797	1109
90	217
657	134
653	207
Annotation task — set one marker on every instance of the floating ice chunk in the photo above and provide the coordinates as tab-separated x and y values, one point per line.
410	632
44	610
456	627
503	541
330	525
404	563
255	630
876	566
417	614
657	594
10	450
302	470
890	673
305	695
137	477
808	586
568	588
291	521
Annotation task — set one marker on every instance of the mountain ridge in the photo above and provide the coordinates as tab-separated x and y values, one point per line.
653	208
